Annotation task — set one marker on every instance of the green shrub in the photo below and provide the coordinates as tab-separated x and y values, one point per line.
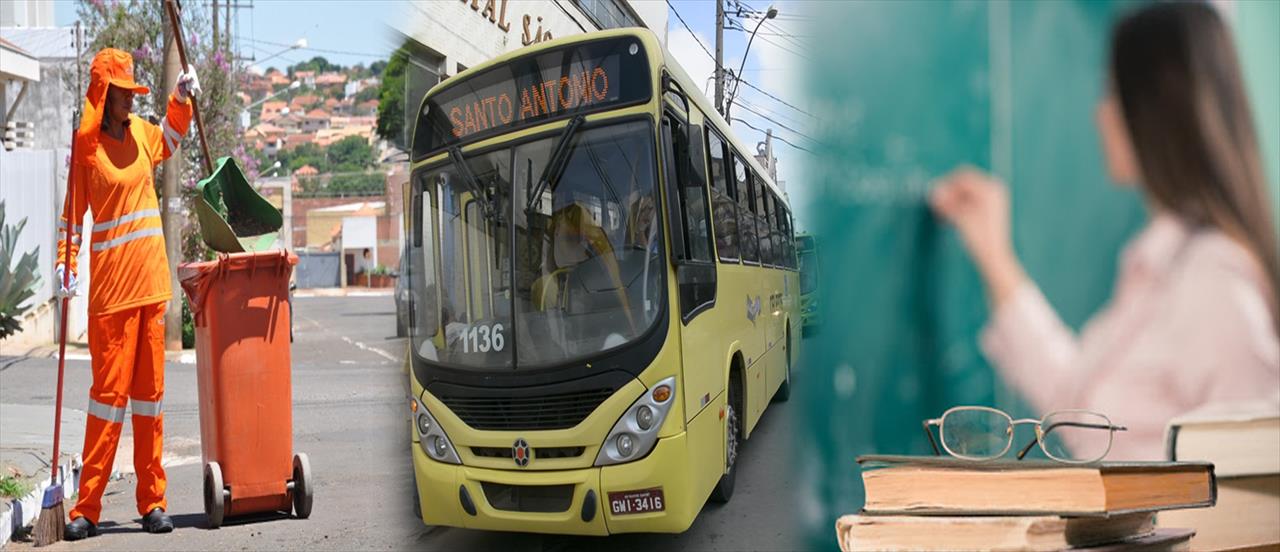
17	281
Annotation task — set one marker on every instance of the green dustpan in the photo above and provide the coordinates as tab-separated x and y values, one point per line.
234	217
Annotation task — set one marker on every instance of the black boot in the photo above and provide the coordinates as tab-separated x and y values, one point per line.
80	528
157	522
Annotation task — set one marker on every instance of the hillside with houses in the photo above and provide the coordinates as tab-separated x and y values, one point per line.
319	117
313	129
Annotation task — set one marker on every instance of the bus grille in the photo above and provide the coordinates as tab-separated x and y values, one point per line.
543	453
528	498
559	411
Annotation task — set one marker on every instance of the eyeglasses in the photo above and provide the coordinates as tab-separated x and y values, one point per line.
982	433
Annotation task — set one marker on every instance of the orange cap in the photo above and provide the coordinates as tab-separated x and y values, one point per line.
115	67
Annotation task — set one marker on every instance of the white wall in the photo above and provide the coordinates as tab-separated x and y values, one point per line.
32	186
466	36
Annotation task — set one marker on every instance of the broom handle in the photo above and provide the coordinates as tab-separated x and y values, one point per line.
171	6
69	212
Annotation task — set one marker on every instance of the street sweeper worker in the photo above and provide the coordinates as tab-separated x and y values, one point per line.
116	155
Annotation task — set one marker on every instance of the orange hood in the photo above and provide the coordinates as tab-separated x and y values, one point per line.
110	67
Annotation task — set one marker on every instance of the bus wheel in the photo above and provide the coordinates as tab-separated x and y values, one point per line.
724	488
784	390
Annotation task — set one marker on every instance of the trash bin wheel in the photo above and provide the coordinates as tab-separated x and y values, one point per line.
302	486
214	495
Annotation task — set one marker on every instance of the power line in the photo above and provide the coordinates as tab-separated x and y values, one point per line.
773	24
775	136
785	47
775	98
709	54
691	33
777	122
319	50
788	118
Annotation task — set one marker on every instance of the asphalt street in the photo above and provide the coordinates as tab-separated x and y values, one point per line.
349	390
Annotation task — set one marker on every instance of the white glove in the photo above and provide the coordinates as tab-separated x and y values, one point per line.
188	84
69	290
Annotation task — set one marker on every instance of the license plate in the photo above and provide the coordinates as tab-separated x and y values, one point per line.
637	502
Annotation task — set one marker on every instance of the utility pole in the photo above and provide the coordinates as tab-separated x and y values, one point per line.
771	163
226	29
171	205
215	24
720	56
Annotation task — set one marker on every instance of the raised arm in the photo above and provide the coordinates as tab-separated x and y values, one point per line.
1024	339
164	139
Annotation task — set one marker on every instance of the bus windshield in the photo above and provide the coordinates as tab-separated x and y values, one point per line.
808	267
501	280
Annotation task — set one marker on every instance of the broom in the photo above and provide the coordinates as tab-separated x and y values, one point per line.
51	525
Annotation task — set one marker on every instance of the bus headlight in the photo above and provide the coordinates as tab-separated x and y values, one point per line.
431	437
636	432
644	417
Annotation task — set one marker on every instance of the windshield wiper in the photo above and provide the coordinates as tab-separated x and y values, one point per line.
556	163
468	177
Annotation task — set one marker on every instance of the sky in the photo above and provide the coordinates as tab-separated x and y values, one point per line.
774	64
347	33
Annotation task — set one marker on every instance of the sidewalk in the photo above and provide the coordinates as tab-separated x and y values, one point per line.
349	291
27	397
80	351
24	453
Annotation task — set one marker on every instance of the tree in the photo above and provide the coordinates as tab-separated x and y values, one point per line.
367	93
352	153
319	64
376	68
302	155
391	98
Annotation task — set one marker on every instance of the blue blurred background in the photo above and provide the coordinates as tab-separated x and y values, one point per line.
906	91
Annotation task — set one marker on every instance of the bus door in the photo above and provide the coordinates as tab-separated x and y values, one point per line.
692	255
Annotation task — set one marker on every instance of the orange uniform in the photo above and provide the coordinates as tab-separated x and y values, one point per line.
130	283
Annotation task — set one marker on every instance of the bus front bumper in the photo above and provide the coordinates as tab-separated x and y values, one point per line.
454	496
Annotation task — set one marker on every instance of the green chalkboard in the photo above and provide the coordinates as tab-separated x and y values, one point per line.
906	91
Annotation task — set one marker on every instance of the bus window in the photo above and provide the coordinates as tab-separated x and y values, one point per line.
765	227
479	262
788	239
697	214
724	210
422	269
775	230
775	224
695	269
749	241
762	220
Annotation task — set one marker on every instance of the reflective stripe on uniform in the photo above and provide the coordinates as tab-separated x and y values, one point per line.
62	225
146	232
171	136
113	414
98	227
146	408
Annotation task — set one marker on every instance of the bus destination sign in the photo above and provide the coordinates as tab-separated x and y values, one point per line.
581	78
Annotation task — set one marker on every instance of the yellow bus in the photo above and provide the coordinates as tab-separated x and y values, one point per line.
603	290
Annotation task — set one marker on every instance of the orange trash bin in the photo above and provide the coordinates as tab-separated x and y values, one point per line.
240	306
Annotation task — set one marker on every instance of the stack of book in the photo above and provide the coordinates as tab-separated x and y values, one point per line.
1242	439
942	503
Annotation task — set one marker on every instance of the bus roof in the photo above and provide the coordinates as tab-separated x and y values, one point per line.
652	47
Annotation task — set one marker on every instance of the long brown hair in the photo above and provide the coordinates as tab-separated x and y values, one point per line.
1175	71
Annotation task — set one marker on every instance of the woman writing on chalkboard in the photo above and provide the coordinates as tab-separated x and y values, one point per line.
1194	313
